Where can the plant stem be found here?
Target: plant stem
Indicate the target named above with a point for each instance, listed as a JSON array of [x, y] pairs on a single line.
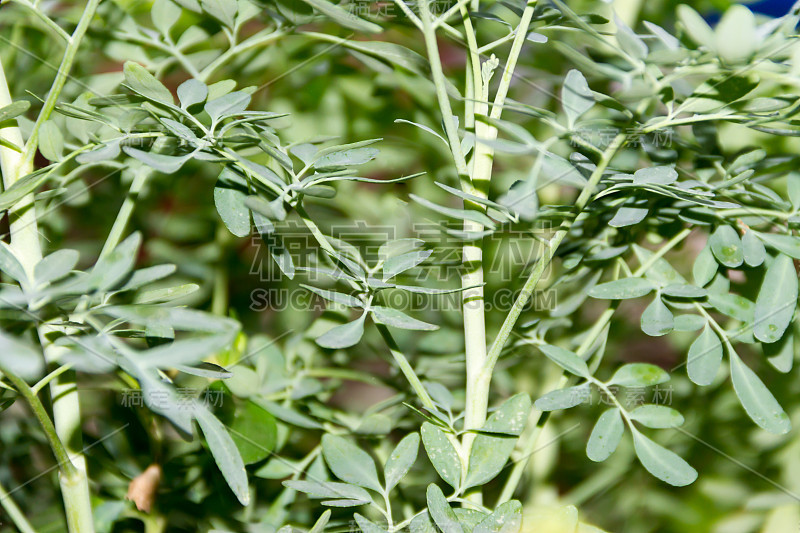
[[125, 212], [512, 482], [25, 241], [22, 217], [248, 44], [483, 159], [220, 295], [14, 512], [59, 450], [544, 261], [406, 369], [58, 83]]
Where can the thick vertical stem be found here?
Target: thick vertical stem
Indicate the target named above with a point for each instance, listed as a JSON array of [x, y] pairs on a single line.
[[474, 320], [22, 217], [25, 242]]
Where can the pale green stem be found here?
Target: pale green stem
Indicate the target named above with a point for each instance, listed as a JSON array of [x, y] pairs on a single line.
[[220, 295], [406, 368], [544, 261], [248, 44], [451, 130], [539, 418], [25, 242], [402, 362], [14, 512], [474, 316], [50, 23], [60, 79], [125, 211]]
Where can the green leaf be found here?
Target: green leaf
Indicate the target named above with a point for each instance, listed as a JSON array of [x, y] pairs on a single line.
[[192, 92], [576, 97], [666, 38], [333, 296], [400, 263], [349, 462], [290, 416], [696, 27], [566, 359], [254, 432], [13, 110], [704, 267], [781, 354], [622, 289], [225, 453], [397, 247], [606, 435], [343, 336], [398, 319], [506, 518], [489, 453], [628, 216], [441, 512], [786, 244], [556, 169], [662, 463], [179, 318], [777, 300], [229, 104], [736, 38], [168, 164], [113, 267], [563, 398], [705, 356], [733, 305], [655, 176], [757, 400], [11, 264], [331, 489], [346, 158], [396, 54], [657, 319], [657, 416], [143, 276], [343, 17], [684, 291], [19, 357], [401, 460], [639, 375], [322, 521], [55, 266], [222, 10], [753, 249], [229, 201], [181, 131], [463, 214], [140, 81], [689, 322], [51, 142], [366, 525], [442, 454], [727, 246], [628, 40], [103, 152], [164, 15], [511, 417]]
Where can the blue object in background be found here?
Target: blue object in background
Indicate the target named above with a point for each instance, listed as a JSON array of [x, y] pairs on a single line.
[[773, 8]]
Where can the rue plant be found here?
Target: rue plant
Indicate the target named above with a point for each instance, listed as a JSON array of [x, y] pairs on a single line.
[[472, 267]]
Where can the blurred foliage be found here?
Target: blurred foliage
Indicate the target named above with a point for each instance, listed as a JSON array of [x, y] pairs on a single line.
[[255, 326]]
